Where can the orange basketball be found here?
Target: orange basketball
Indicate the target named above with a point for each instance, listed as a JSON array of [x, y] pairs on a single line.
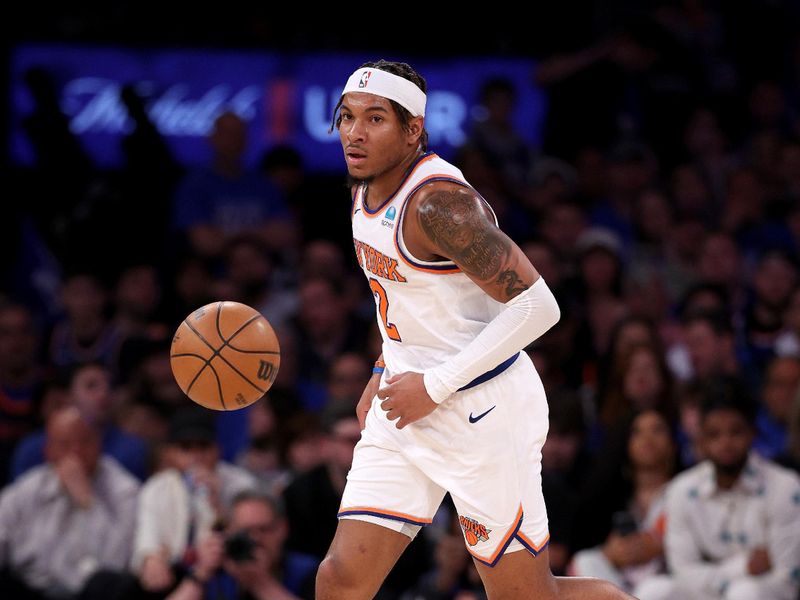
[[225, 355]]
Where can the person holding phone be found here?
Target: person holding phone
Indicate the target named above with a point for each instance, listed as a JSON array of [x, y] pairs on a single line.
[[633, 551]]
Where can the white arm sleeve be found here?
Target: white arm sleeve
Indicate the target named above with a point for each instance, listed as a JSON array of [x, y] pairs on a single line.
[[526, 317]]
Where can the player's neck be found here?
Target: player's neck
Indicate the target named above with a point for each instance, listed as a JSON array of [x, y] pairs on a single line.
[[378, 189]]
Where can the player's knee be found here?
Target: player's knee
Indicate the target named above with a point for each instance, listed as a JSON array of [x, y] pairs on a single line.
[[335, 574]]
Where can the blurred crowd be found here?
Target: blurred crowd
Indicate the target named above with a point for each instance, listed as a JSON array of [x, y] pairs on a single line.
[[663, 210]]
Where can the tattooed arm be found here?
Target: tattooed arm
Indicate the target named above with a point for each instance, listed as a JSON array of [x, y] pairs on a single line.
[[454, 222]]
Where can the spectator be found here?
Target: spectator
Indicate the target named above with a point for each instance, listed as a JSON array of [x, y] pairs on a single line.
[[733, 521], [453, 574], [628, 332], [780, 387], [496, 139], [565, 465], [227, 199], [312, 499], [774, 279], [137, 300], [250, 269], [250, 561], [347, 378], [599, 292], [325, 329], [709, 347], [690, 398], [639, 380], [68, 520], [791, 458], [788, 341], [91, 393], [633, 549], [262, 457], [84, 334], [21, 380], [182, 504]]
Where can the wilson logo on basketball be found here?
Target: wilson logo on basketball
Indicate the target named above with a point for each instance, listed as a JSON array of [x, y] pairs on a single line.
[[474, 532], [266, 371]]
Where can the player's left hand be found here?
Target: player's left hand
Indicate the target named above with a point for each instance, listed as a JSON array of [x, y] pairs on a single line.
[[406, 399]]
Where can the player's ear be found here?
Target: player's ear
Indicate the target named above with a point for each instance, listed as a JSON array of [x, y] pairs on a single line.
[[414, 130]]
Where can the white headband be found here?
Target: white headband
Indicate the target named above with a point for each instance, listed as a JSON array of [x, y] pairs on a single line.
[[388, 85]]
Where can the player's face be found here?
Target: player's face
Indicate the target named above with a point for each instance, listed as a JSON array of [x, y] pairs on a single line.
[[727, 438], [372, 136]]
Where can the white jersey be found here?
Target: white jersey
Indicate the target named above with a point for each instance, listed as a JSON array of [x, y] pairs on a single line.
[[427, 311], [483, 444]]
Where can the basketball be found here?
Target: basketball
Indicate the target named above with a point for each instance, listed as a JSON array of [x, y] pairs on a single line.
[[225, 355]]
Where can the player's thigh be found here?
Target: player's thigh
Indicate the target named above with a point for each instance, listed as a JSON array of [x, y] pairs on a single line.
[[519, 575], [361, 556], [522, 576]]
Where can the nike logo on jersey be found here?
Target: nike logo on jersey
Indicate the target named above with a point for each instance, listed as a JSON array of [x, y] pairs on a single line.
[[480, 416], [356, 211]]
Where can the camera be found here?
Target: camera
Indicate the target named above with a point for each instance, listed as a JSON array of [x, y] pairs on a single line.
[[239, 546]]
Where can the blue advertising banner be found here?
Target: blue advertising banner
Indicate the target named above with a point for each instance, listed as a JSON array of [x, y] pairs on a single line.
[[283, 98]]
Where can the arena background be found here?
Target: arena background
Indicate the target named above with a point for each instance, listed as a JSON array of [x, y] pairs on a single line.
[[646, 156]]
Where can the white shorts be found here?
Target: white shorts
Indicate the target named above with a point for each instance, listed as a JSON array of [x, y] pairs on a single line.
[[483, 445]]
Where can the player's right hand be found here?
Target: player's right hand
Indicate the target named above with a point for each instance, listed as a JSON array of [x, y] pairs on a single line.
[[365, 402]]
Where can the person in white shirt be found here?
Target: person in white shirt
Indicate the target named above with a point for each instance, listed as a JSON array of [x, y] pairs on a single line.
[[733, 521], [181, 505], [68, 520]]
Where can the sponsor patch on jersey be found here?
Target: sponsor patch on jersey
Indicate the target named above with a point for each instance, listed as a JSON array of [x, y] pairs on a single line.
[[474, 531]]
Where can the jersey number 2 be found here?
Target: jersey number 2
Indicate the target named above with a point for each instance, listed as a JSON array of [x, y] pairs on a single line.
[[383, 309]]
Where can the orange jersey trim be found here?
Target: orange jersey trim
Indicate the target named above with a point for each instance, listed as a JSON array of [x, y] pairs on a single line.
[[530, 545], [441, 270], [501, 547], [380, 512]]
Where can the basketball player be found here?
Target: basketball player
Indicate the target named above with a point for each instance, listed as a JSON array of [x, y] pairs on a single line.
[[457, 407]]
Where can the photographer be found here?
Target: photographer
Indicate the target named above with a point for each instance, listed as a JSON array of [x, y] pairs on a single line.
[[247, 561], [180, 506]]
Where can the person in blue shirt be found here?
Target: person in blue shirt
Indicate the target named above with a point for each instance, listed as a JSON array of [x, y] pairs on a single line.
[[225, 199], [91, 392]]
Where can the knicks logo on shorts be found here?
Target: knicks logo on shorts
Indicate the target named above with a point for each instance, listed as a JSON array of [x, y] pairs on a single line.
[[474, 532]]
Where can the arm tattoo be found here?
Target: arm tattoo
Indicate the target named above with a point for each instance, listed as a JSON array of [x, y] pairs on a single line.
[[512, 282], [456, 222]]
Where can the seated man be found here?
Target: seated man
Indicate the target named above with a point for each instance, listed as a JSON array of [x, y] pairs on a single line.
[[64, 522], [733, 521], [91, 392], [181, 505], [251, 557]]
